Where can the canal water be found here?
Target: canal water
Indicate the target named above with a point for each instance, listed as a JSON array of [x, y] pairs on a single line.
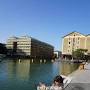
[[25, 74]]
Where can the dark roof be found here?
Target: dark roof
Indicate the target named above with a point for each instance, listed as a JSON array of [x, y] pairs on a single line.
[[73, 32]]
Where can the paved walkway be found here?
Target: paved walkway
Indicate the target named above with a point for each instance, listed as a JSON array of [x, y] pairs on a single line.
[[80, 79]]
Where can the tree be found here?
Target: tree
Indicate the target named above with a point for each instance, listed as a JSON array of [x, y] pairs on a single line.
[[79, 54]]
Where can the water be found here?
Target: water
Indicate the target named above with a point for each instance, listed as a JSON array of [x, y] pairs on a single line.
[[25, 75]]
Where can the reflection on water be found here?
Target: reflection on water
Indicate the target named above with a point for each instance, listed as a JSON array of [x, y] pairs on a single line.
[[25, 75], [18, 69], [67, 68]]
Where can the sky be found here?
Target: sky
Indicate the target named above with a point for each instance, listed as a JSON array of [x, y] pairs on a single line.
[[46, 20]]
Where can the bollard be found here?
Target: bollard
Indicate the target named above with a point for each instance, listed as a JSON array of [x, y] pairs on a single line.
[[44, 60], [32, 60], [19, 60], [52, 60], [41, 61]]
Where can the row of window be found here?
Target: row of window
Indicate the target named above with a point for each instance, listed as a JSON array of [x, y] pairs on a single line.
[[28, 46], [73, 48], [73, 42], [75, 38], [22, 44]]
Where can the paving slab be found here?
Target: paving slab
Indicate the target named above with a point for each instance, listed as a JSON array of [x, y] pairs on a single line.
[[80, 79]]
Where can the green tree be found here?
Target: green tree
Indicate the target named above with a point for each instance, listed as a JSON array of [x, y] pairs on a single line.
[[79, 54]]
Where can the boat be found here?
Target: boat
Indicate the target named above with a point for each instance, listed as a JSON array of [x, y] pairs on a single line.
[[66, 82]]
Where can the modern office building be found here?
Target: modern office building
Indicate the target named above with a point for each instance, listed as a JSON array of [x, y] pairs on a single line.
[[73, 41], [28, 46]]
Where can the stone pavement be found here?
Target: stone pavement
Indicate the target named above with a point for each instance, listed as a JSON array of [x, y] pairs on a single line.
[[80, 79]]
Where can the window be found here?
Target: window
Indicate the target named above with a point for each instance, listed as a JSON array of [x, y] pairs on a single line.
[[78, 42], [69, 42], [73, 39], [68, 50]]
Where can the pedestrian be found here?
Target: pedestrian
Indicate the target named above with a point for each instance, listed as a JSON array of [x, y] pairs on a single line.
[[57, 83]]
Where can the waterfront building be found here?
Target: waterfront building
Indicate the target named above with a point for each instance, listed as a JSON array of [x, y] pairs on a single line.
[[28, 46], [73, 41], [11, 45]]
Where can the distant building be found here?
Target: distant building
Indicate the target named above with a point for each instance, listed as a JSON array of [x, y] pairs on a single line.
[[57, 54], [28, 46], [73, 41]]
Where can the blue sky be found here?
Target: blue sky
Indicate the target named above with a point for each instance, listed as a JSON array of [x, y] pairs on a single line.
[[46, 20]]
